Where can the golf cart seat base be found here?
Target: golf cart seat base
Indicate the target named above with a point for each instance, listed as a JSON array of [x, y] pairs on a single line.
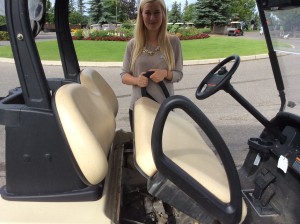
[[98, 211], [49, 212], [183, 145]]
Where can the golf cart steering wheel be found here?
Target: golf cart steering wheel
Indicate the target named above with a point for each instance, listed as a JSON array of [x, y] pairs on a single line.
[[217, 78], [161, 84]]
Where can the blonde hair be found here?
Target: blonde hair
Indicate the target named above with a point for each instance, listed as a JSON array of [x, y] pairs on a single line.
[[141, 37]]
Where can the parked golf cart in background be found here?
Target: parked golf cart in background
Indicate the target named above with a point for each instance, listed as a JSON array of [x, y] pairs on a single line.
[[235, 29], [66, 163]]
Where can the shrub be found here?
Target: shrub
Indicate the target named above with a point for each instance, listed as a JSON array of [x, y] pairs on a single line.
[[188, 32], [4, 35], [205, 30], [112, 38], [78, 34], [128, 26], [197, 36], [104, 33], [85, 33], [125, 32], [94, 34], [173, 28]]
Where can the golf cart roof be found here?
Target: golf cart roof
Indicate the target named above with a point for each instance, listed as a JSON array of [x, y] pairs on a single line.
[[279, 4]]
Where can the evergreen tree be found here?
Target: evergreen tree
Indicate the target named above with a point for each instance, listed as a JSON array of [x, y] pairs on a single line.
[[71, 6], [81, 7], [95, 11], [109, 14], [128, 10], [212, 12], [175, 13], [189, 14]]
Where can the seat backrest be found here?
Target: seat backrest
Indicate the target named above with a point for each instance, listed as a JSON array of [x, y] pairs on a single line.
[[92, 80], [183, 145], [89, 127]]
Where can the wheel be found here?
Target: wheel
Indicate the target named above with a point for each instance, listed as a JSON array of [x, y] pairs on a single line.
[[217, 78]]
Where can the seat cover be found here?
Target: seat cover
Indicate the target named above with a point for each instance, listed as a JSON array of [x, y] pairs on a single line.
[[89, 126]]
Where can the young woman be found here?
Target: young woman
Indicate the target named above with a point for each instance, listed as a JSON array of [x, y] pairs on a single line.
[[152, 49]]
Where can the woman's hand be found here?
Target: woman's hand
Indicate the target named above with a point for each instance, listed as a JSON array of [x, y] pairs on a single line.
[[142, 81], [158, 75]]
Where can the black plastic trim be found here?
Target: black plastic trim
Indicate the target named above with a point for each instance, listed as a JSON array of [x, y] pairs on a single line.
[[69, 151], [225, 213], [272, 54], [28, 64], [86, 194], [65, 43]]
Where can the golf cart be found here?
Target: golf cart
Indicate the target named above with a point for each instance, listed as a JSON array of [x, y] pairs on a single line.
[[66, 163], [235, 29]]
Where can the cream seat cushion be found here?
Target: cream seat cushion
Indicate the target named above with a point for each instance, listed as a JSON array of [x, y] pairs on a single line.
[[183, 145], [89, 126], [92, 80]]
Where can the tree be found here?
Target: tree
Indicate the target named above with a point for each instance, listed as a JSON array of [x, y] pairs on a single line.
[[211, 12], [128, 10], [81, 7], [71, 6], [2, 20], [189, 14], [95, 10], [75, 18], [109, 14], [242, 10], [175, 13], [49, 12]]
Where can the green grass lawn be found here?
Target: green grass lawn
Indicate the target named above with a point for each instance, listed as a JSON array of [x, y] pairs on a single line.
[[103, 51]]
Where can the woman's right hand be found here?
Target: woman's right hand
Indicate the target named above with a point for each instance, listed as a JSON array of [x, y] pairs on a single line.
[[142, 81]]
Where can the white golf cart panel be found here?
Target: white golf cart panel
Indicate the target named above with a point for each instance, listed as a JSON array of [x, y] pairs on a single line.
[[183, 145], [91, 136], [97, 84], [56, 212]]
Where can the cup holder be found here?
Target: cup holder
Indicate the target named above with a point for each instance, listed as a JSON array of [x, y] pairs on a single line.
[[259, 144]]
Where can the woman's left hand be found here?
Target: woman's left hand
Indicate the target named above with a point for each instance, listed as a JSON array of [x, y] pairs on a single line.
[[158, 75]]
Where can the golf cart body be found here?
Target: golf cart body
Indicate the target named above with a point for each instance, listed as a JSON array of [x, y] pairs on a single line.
[[235, 29], [66, 163]]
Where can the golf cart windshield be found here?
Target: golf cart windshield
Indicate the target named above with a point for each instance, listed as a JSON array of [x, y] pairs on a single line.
[[236, 25], [284, 28]]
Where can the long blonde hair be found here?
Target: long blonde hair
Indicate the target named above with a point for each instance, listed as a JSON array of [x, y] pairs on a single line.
[[163, 40]]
